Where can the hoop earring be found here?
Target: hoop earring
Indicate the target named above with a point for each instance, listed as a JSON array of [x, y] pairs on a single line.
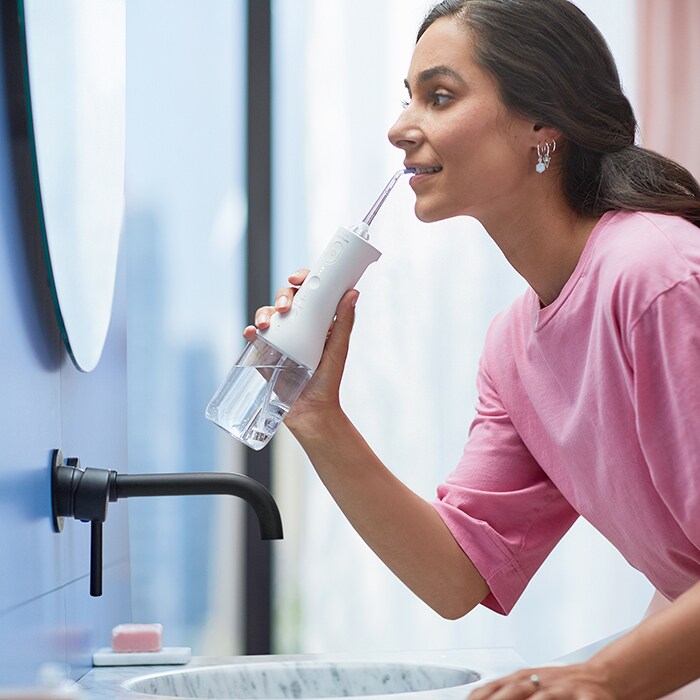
[[544, 158]]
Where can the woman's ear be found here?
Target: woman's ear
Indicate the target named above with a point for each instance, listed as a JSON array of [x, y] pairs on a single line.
[[542, 133]]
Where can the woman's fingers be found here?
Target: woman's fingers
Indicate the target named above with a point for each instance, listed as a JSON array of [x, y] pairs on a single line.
[[574, 682], [296, 278], [284, 296], [262, 316], [283, 302], [262, 321]]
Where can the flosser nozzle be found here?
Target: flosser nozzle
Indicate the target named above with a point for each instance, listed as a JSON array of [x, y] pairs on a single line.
[[385, 193]]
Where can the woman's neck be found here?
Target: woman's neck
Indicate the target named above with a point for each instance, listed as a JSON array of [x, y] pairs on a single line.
[[543, 242]]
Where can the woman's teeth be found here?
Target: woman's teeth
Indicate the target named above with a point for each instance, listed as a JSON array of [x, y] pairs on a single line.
[[421, 171]]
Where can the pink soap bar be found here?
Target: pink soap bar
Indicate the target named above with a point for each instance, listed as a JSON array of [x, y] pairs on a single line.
[[136, 637]]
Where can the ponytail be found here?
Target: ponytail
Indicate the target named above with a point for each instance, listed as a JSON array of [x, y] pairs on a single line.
[[630, 179]]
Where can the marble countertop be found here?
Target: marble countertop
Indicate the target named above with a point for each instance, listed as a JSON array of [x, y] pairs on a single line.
[[104, 683]]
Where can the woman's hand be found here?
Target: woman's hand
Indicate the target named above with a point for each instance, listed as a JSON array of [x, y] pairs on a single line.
[[575, 682], [283, 302], [320, 397], [660, 655]]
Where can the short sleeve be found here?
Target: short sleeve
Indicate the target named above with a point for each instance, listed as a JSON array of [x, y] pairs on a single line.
[[500, 506], [665, 357]]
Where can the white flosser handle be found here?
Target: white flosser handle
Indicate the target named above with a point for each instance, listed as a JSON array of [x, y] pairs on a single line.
[[301, 332]]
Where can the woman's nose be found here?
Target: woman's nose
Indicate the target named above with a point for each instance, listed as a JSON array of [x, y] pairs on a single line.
[[404, 133]]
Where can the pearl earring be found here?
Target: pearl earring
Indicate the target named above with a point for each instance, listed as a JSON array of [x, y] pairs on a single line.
[[545, 156]]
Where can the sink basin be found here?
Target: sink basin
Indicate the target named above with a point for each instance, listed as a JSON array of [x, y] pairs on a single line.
[[301, 679]]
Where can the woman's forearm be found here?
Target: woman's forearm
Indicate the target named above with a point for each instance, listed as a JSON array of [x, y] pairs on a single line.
[[404, 530], [660, 655]]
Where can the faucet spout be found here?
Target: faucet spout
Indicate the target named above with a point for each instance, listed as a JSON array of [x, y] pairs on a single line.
[[201, 484]]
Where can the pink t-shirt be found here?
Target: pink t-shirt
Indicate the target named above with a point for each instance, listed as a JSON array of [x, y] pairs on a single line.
[[591, 407]]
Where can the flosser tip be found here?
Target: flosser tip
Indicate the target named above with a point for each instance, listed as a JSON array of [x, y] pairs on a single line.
[[373, 211]]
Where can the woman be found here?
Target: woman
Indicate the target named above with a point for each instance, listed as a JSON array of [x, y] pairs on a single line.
[[588, 397]]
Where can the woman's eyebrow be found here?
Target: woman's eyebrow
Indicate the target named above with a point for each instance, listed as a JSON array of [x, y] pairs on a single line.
[[429, 73]]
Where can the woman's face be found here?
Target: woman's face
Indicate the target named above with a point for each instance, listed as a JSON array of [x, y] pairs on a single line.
[[479, 154]]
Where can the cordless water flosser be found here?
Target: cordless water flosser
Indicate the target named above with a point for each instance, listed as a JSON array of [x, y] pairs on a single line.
[[277, 364]]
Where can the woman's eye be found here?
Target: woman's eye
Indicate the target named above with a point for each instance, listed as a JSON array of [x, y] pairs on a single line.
[[439, 99], [434, 99]]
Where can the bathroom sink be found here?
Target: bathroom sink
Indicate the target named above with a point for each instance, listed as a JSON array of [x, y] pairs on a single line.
[[302, 679]]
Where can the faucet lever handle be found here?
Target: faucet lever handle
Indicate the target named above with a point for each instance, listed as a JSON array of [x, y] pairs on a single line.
[[95, 558], [83, 494]]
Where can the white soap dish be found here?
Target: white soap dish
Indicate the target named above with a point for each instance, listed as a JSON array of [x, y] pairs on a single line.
[[167, 656]]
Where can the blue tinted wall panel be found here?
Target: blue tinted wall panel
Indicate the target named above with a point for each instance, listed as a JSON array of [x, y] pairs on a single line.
[[46, 613]]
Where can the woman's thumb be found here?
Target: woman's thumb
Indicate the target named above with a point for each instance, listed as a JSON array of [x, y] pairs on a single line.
[[339, 339]]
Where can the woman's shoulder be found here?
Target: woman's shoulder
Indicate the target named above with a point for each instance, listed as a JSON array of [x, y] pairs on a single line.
[[640, 255], [645, 243], [640, 235]]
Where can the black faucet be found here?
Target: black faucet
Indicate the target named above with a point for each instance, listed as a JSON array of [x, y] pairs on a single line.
[[84, 494]]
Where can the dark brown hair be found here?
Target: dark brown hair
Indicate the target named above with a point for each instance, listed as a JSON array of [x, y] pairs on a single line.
[[553, 66]]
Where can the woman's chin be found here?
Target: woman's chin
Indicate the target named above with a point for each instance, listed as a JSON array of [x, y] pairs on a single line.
[[430, 216], [426, 215]]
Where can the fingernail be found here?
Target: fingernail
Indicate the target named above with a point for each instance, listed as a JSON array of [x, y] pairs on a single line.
[[262, 319], [282, 301], [354, 301]]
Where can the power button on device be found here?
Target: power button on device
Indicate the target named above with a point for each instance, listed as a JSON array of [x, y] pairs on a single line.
[[333, 252]]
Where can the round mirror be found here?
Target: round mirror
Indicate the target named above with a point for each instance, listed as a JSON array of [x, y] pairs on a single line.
[[75, 68]]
